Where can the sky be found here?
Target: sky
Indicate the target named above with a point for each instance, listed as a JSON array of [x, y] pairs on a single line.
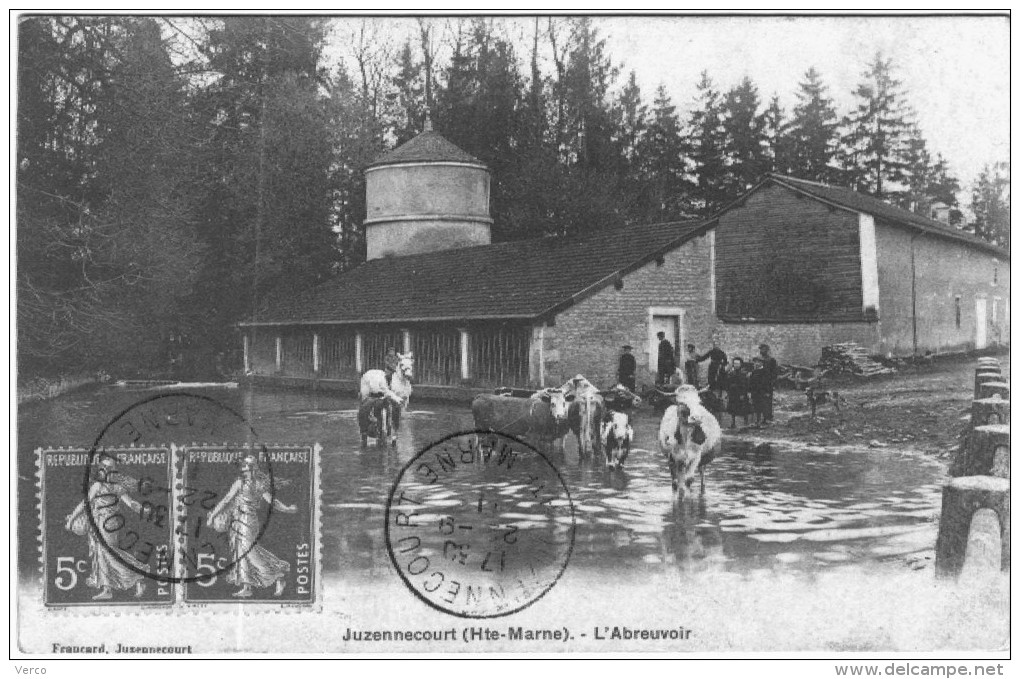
[[955, 70]]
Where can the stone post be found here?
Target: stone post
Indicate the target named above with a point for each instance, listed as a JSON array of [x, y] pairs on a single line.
[[989, 389], [961, 497], [247, 353], [994, 410], [982, 376], [279, 353]]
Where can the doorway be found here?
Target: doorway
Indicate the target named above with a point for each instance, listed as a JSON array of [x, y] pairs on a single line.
[[669, 321], [980, 323]]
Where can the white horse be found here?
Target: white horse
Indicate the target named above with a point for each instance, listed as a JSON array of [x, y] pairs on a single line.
[[373, 384], [690, 437]]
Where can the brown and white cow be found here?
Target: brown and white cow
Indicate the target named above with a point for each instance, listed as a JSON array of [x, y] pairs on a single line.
[[585, 415], [541, 418], [690, 437], [617, 434]]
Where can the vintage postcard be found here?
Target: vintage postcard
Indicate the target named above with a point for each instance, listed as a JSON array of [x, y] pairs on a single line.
[[654, 334]]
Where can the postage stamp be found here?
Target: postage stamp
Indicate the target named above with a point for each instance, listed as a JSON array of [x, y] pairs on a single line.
[[107, 526], [480, 525], [248, 524]]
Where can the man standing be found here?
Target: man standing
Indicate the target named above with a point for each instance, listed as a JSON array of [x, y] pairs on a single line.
[[390, 363], [627, 369], [667, 364], [716, 367], [771, 374], [691, 366]]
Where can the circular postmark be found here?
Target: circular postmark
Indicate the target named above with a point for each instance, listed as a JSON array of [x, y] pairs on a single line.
[[141, 503], [479, 525]]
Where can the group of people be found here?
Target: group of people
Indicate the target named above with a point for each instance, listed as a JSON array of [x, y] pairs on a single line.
[[748, 386]]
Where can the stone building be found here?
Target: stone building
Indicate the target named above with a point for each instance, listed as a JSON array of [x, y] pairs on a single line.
[[801, 265], [793, 263]]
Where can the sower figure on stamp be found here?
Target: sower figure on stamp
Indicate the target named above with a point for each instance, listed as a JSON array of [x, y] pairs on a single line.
[[110, 569], [627, 369], [667, 364], [254, 566]]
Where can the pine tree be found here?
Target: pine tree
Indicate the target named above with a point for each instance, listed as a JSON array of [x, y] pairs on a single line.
[[631, 123], [663, 171], [813, 132], [267, 214], [587, 79], [407, 100], [928, 180], [990, 202], [877, 132], [746, 143], [778, 153], [706, 144], [106, 183]]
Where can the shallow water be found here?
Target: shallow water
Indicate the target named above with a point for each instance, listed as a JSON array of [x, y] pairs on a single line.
[[764, 508]]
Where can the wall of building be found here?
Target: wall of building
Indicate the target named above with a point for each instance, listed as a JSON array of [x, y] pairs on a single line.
[[426, 189], [587, 337], [406, 237], [942, 270], [424, 207], [796, 343], [783, 256]]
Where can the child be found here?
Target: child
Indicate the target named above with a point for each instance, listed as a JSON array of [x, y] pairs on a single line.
[[737, 402]]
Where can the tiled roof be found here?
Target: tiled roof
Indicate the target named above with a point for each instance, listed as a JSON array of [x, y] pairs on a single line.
[[429, 146], [522, 279], [864, 203]]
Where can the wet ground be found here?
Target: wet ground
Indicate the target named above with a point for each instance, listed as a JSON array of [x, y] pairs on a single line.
[[765, 508]]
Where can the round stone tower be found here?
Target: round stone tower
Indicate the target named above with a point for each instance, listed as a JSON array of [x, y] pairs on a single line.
[[426, 195]]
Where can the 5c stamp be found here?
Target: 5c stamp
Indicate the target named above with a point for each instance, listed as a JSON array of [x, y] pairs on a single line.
[[110, 539], [249, 523]]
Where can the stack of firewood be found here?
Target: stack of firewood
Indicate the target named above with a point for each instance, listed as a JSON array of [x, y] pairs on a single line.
[[849, 357]]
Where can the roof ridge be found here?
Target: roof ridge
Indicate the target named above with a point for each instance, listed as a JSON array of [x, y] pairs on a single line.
[[804, 181], [858, 201]]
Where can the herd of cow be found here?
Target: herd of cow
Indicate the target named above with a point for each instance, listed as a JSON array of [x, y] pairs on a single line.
[[689, 434]]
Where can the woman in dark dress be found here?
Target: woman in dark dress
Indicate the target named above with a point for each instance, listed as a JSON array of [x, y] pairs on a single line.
[[737, 401]]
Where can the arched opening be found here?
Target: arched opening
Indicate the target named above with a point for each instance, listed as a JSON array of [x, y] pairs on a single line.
[[984, 546]]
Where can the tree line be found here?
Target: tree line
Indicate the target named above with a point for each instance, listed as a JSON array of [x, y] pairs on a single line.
[[175, 174]]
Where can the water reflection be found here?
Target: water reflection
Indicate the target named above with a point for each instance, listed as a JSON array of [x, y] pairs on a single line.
[[763, 507]]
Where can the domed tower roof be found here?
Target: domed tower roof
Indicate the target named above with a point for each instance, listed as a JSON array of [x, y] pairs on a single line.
[[427, 147]]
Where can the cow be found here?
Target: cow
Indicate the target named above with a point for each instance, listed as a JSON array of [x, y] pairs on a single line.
[[585, 415], [690, 437], [541, 418], [617, 434]]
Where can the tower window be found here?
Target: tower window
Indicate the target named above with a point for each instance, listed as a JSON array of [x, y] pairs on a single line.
[[958, 312]]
